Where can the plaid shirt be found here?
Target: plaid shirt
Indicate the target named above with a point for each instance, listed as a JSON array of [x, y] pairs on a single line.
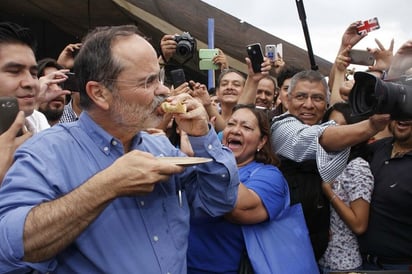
[[68, 114], [299, 142]]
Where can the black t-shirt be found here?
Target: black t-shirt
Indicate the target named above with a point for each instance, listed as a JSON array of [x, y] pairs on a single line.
[[389, 232]]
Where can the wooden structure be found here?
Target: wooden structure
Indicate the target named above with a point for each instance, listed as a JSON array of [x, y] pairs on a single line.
[[57, 23]]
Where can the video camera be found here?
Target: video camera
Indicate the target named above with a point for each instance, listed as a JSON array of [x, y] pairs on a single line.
[[371, 95], [186, 44]]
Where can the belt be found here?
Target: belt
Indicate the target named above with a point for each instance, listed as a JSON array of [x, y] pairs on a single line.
[[378, 260]]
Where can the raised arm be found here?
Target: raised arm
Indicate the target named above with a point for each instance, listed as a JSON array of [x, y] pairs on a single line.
[[248, 96], [336, 138]]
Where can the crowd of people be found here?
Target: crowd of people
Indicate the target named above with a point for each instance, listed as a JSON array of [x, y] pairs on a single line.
[[84, 188]]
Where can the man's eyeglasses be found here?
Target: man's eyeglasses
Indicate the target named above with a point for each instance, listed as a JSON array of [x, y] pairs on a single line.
[[150, 83]]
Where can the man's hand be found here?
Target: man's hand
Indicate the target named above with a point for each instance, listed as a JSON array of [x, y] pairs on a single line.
[[401, 61], [56, 77], [66, 57], [378, 122], [257, 76], [137, 173], [351, 37], [195, 121], [221, 60], [9, 143], [382, 56], [168, 46]]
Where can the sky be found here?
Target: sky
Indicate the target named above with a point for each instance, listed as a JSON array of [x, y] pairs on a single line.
[[326, 20]]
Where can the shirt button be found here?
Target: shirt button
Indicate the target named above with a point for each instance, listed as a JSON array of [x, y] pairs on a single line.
[[114, 142], [223, 175], [209, 146], [386, 162], [142, 203], [155, 238], [106, 149]]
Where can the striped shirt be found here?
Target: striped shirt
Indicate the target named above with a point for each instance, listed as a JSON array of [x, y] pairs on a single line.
[[299, 142]]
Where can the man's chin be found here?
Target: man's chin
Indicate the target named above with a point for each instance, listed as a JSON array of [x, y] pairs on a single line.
[[28, 112]]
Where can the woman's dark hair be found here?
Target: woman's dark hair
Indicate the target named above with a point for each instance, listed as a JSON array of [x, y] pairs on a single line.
[[265, 154]]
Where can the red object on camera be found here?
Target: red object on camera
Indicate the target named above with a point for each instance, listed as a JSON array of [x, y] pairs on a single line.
[[368, 26]]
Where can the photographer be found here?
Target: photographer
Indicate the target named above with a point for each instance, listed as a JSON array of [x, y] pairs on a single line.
[[387, 242], [175, 50]]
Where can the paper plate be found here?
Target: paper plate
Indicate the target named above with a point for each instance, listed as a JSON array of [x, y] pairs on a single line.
[[185, 161]]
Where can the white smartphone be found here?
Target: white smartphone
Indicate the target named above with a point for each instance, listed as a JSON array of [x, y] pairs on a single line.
[[272, 51], [279, 50]]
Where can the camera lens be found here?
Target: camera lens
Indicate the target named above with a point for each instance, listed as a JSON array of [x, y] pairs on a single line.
[[371, 95], [183, 48]]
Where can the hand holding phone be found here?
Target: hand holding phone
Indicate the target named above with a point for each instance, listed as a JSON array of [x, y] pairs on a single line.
[[255, 54], [206, 59], [361, 57], [274, 51], [71, 83], [178, 77], [9, 108]]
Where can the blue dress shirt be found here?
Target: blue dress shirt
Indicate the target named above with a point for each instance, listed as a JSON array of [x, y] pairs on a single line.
[[140, 234]]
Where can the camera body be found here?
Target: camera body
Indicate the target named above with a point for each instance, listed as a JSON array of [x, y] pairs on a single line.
[[371, 95], [186, 44]]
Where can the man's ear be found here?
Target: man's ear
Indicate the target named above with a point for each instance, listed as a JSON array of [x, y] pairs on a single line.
[[99, 94]]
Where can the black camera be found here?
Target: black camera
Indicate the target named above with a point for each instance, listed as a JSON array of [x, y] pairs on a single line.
[[371, 95], [186, 44]]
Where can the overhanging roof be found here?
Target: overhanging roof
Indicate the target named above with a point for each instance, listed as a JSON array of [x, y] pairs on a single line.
[[58, 23]]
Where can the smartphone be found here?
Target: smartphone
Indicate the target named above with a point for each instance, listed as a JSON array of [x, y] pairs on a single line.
[[208, 53], [207, 64], [178, 77], [206, 59], [361, 57], [255, 54], [279, 50], [9, 108], [271, 52], [71, 83], [368, 26]]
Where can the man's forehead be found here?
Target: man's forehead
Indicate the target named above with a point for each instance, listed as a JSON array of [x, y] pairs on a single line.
[[15, 53], [312, 87]]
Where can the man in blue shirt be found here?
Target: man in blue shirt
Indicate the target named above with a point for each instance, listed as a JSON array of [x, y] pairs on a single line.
[[92, 196]]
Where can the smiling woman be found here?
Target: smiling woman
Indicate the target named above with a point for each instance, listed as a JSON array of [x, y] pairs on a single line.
[[262, 193]]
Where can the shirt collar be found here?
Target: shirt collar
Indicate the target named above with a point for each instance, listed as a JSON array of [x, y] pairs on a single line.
[[106, 142]]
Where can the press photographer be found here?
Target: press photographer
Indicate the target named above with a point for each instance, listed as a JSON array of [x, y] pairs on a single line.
[[175, 51]]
